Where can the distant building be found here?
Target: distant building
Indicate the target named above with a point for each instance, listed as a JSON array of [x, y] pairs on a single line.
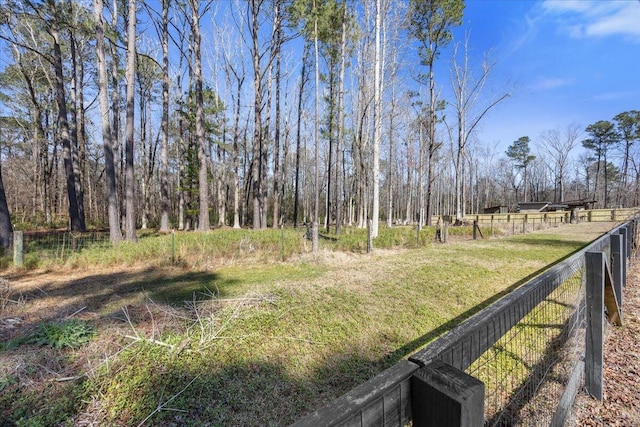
[[496, 210], [571, 205], [525, 207]]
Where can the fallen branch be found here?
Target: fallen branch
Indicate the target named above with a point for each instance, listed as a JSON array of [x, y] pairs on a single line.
[[166, 402], [73, 378], [75, 312], [150, 341]]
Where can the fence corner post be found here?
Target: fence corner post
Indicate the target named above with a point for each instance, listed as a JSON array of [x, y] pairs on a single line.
[[18, 248], [595, 271], [442, 395]]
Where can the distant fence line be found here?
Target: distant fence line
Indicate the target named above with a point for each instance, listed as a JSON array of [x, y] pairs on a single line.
[[560, 217], [58, 245], [518, 361]]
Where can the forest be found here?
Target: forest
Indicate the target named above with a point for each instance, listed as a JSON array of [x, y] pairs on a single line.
[[190, 115]]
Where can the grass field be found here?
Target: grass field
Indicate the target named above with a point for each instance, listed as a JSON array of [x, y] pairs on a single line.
[[240, 329]]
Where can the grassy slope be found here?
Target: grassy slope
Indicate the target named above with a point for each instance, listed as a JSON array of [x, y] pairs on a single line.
[[269, 342]]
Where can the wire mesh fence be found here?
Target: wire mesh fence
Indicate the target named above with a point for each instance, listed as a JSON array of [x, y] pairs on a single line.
[[525, 372], [59, 245]]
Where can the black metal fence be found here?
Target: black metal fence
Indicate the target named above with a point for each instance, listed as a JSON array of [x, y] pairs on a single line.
[[528, 350]]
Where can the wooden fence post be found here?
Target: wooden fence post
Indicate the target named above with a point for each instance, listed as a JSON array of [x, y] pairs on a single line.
[[617, 262], [18, 248], [314, 237], [443, 396], [633, 241], [626, 243], [595, 270], [173, 247]]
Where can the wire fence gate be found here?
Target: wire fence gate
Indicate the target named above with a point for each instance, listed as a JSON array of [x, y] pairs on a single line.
[[519, 361]]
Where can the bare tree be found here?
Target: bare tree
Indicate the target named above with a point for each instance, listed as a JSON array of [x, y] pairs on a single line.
[[467, 92], [235, 76], [430, 24], [558, 144]]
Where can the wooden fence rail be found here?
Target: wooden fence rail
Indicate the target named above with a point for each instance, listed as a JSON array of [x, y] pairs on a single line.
[[431, 387], [593, 215]]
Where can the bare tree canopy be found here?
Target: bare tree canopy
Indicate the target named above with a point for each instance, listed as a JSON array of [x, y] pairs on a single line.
[[195, 115]]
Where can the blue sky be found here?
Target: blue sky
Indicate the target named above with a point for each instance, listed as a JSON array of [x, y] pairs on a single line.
[[563, 61]]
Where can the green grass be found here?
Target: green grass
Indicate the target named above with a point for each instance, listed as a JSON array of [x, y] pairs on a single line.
[[198, 250], [68, 333], [256, 340]]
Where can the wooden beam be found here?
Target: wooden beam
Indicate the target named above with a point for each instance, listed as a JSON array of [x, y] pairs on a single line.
[[382, 401], [613, 287], [569, 396], [443, 396], [595, 272]]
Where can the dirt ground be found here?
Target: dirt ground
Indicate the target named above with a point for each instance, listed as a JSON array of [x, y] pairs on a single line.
[[621, 389]]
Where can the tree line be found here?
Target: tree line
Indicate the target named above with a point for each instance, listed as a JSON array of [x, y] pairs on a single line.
[[192, 114]]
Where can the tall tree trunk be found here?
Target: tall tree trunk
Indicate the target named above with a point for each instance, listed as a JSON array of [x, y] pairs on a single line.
[[257, 166], [6, 229], [164, 147], [77, 222], [276, 141], [390, 172], [316, 119], [81, 139], [130, 75], [203, 181], [107, 135], [144, 148], [296, 191], [422, 160], [340, 130], [236, 154], [330, 119], [75, 137], [116, 129], [377, 121], [606, 182]]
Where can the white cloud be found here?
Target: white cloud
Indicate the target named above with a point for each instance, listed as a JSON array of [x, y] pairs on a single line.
[[550, 83], [614, 96], [585, 19]]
